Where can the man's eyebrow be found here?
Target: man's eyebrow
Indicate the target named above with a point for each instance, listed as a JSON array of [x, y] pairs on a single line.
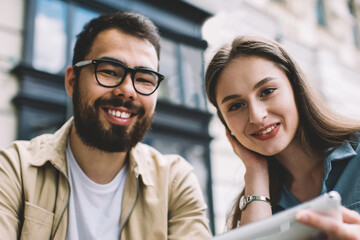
[[256, 86], [119, 61], [112, 59]]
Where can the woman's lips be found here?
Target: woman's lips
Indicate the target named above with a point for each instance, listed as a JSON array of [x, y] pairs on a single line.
[[267, 132]]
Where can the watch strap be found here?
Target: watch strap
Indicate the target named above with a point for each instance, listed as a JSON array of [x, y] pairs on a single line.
[[245, 200]]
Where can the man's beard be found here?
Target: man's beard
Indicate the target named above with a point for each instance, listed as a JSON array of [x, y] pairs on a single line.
[[115, 139]]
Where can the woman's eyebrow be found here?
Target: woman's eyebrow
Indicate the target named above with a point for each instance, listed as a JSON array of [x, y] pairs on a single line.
[[228, 98], [262, 82]]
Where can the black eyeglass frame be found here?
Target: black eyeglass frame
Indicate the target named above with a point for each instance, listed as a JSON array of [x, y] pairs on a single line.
[[127, 70]]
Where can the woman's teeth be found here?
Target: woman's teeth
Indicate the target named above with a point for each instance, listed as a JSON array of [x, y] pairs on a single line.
[[266, 131], [119, 114]]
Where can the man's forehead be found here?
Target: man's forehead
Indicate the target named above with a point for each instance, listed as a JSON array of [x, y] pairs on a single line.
[[129, 49], [117, 36]]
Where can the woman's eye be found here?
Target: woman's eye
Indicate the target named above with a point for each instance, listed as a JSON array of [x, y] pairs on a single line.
[[235, 106], [267, 92]]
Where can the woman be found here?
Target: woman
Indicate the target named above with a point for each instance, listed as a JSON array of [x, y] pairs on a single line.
[[293, 147]]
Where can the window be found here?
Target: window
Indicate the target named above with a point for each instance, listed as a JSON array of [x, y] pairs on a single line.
[[356, 26], [56, 26], [50, 36], [171, 88], [81, 16], [182, 66], [192, 74], [280, 1], [320, 13]]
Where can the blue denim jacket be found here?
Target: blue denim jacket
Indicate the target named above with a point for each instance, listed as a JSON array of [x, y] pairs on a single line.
[[341, 173]]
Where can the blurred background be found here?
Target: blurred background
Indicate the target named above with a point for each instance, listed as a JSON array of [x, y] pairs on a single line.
[[37, 38]]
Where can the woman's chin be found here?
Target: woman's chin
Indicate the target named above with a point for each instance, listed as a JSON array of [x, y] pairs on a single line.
[[267, 152]]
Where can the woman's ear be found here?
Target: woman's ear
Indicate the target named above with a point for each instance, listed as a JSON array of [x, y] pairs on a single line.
[[70, 79]]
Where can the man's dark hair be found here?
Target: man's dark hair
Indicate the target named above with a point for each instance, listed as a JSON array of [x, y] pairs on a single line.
[[130, 23]]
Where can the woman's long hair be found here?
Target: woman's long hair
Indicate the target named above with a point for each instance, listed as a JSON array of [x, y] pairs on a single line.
[[319, 130]]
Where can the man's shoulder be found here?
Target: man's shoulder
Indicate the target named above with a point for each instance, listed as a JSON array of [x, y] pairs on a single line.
[[146, 154], [35, 148], [23, 146]]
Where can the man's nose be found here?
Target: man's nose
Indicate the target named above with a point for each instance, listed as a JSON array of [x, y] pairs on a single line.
[[126, 88]]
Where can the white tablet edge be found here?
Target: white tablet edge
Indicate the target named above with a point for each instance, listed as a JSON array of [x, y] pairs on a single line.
[[327, 204]]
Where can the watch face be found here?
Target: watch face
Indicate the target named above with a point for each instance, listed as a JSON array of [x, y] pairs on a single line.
[[242, 203]]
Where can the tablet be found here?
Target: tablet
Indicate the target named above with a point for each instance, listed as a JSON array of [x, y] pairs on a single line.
[[283, 225]]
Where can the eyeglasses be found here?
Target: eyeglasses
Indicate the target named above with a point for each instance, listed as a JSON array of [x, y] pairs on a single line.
[[111, 73]]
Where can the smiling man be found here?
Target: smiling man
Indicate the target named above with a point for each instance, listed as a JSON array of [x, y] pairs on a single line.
[[93, 179]]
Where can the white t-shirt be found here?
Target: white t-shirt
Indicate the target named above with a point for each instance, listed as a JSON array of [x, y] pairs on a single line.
[[94, 209]]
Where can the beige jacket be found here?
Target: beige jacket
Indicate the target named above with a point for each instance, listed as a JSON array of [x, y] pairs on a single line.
[[162, 198]]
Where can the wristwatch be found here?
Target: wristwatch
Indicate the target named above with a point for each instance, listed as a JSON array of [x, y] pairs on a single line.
[[245, 200]]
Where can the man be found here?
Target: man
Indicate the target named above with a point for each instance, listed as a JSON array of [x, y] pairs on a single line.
[[92, 179]]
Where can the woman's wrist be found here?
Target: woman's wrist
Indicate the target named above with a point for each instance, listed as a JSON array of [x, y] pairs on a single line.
[[246, 199], [257, 184]]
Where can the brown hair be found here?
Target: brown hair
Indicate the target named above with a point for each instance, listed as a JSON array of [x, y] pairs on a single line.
[[319, 128], [130, 23]]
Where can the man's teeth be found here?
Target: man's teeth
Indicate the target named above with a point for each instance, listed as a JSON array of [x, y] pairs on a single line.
[[266, 131], [119, 114]]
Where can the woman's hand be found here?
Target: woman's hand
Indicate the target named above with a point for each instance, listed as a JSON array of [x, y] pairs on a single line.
[[348, 229], [256, 181], [249, 158]]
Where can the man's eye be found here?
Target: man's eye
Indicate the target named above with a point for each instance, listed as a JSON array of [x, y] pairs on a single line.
[[267, 92], [108, 72], [143, 81]]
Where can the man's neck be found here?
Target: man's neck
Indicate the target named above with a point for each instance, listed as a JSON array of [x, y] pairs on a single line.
[[99, 166]]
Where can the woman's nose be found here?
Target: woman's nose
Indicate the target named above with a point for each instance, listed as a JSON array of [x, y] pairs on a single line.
[[257, 113]]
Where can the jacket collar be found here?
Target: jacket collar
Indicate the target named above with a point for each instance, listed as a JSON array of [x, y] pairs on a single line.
[[345, 151], [141, 163], [53, 148]]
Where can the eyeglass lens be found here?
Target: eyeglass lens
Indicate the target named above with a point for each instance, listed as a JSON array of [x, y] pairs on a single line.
[[111, 74]]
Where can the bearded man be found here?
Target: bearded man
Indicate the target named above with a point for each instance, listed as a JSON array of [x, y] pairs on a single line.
[[93, 179]]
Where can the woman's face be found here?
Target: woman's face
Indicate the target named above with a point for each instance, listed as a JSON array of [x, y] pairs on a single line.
[[257, 102]]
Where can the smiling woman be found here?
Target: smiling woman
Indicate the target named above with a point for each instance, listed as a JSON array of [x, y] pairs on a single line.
[[286, 136], [263, 98]]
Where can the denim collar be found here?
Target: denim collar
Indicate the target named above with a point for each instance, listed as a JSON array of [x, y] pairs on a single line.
[[343, 152]]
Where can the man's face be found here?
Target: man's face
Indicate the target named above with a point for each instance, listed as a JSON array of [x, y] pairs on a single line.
[[114, 119]]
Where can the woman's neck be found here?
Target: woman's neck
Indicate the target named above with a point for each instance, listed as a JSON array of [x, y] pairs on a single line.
[[303, 169]]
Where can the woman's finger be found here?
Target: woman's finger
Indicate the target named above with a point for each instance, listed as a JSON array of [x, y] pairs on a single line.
[[350, 216], [332, 227]]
